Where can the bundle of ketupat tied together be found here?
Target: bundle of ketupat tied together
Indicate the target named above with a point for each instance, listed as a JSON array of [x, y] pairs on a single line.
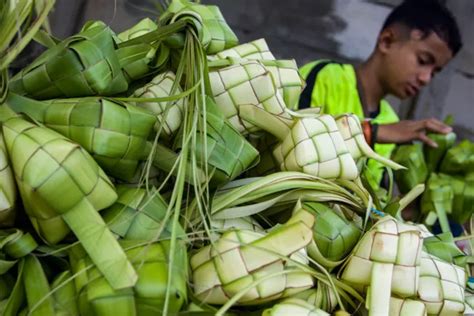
[[131, 184]]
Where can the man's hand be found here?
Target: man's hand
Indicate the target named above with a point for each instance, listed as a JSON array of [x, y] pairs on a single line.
[[407, 131]]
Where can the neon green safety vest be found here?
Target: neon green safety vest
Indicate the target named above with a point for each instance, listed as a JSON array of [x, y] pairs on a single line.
[[335, 91]]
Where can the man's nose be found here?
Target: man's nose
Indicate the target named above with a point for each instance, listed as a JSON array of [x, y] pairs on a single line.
[[425, 76]]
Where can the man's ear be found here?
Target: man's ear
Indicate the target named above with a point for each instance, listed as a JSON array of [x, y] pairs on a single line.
[[386, 39]]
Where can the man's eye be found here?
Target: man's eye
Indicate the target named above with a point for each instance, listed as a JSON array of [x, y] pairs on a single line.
[[422, 61]]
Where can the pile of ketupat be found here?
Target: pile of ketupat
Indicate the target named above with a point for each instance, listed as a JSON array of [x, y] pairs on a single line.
[[161, 171]]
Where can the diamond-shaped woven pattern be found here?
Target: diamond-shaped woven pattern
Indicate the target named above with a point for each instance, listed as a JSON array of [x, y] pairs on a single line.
[[315, 146], [392, 242], [61, 161], [287, 79], [138, 215], [334, 236], [442, 286], [115, 133], [82, 65], [226, 150], [151, 261], [240, 257], [257, 49], [351, 131], [408, 307], [160, 87], [247, 82]]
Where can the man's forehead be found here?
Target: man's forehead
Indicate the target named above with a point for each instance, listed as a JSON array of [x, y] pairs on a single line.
[[433, 44]]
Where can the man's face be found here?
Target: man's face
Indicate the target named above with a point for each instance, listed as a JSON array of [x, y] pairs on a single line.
[[411, 63]]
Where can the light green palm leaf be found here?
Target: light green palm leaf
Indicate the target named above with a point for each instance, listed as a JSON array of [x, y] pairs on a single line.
[[213, 31], [334, 236], [257, 49], [169, 114], [115, 133], [412, 157], [8, 192], [139, 215], [146, 297], [81, 65], [69, 172], [459, 159]]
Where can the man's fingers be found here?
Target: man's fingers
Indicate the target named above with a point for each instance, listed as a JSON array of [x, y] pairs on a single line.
[[406, 131], [434, 125], [428, 141]]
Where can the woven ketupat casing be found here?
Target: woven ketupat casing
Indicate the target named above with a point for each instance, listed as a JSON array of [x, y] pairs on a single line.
[[147, 297], [220, 226], [463, 201], [412, 157], [435, 155], [68, 187], [437, 201], [240, 223], [264, 143], [441, 286], [351, 130], [285, 72], [294, 306], [406, 307], [143, 27], [213, 31], [60, 159], [161, 86], [334, 236], [7, 187], [388, 242], [287, 79], [459, 159], [65, 296], [321, 296], [240, 257], [84, 64], [226, 150], [136, 59], [115, 133], [247, 82], [444, 247], [315, 146], [257, 49], [138, 215]]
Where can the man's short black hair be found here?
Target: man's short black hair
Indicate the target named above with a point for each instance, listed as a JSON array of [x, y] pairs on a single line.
[[428, 16]]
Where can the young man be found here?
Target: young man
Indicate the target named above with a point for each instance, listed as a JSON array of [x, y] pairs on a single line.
[[417, 40]]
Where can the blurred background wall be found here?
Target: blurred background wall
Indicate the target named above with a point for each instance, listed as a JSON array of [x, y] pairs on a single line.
[[343, 30]]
